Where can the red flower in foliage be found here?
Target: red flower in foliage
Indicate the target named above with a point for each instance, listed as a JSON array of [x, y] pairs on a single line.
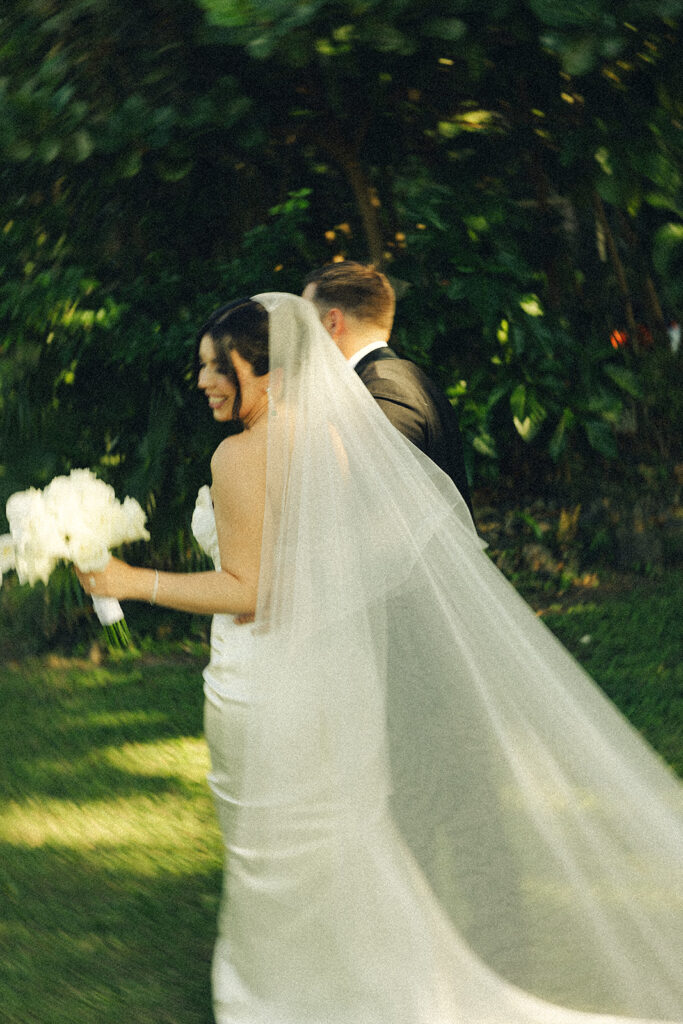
[[618, 339]]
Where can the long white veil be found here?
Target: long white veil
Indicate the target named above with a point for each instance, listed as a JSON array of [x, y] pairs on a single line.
[[451, 822]]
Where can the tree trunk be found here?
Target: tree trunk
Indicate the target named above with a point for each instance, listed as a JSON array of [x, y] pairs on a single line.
[[346, 154], [368, 207]]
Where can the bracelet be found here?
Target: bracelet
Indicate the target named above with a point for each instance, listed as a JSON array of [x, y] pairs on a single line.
[[155, 588]]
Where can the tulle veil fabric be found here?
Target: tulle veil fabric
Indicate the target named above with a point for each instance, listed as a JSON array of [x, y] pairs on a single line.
[[443, 818]]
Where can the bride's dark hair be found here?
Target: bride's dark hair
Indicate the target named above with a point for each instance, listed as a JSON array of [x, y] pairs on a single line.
[[242, 326]]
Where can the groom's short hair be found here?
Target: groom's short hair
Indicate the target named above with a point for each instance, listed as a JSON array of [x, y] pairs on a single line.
[[355, 288]]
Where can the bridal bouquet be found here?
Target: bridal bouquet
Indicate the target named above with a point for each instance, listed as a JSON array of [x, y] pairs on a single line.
[[76, 518]]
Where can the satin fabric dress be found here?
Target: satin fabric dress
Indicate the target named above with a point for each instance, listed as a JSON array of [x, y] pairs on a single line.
[[277, 957]]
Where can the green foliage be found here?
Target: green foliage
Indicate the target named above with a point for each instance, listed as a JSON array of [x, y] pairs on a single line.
[[667, 257], [513, 369], [584, 34], [517, 171]]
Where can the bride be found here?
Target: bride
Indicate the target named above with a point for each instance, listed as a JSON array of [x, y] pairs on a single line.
[[431, 815]]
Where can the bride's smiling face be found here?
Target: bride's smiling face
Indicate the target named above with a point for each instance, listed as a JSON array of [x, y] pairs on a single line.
[[219, 388], [240, 394]]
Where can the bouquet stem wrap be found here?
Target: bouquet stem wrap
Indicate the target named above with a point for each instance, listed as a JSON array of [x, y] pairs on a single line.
[[108, 610], [111, 618]]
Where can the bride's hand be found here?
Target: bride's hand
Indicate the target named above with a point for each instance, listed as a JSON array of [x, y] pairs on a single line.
[[111, 582]]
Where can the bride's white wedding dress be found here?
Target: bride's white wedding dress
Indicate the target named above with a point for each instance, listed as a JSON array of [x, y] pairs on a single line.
[[327, 917]]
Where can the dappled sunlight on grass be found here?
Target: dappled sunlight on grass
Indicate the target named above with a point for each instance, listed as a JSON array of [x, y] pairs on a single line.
[[110, 854], [185, 759], [139, 830], [117, 719]]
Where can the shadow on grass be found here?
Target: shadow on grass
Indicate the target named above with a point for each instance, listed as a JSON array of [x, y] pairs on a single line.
[[110, 857]]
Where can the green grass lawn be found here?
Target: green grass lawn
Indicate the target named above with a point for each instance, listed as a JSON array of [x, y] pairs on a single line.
[[110, 857], [629, 636]]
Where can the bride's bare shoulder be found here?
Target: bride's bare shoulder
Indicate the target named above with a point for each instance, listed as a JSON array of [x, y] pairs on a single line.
[[247, 445], [238, 464], [228, 451]]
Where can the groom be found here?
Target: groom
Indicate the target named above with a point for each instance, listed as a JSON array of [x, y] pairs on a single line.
[[356, 305]]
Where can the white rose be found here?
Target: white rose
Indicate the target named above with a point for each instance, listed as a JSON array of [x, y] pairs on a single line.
[[88, 552], [132, 522], [34, 564], [38, 547], [23, 506]]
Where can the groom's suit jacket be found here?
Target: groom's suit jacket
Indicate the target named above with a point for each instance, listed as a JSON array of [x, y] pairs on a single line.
[[416, 407]]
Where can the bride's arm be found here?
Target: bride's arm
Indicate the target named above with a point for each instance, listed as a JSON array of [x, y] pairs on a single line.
[[203, 593], [238, 492]]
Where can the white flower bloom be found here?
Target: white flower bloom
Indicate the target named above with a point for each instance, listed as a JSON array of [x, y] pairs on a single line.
[[22, 506], [76, 518], [38, 546], [88, 552], [131, 522], [34, 563]]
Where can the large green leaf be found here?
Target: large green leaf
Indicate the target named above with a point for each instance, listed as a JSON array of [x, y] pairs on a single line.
[[667, 247], [559, 439], [601, 438], [625, 379], [667, 257], [528, 413]]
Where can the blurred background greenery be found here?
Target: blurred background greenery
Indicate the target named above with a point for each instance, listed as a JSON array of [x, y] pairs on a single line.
[[515, 167]]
